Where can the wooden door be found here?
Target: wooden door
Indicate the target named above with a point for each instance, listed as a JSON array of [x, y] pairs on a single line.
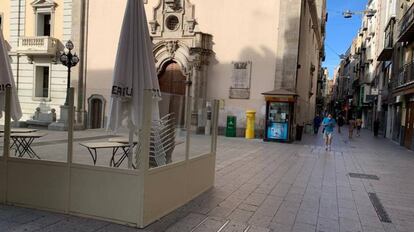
[[409, 127], [172, 84], [96, 116]]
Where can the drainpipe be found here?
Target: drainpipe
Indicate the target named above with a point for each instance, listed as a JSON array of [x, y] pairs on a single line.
[[298, 54], [17, 53], [297, 67]]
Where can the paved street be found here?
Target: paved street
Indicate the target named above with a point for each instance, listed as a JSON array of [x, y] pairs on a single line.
[[263, 187]]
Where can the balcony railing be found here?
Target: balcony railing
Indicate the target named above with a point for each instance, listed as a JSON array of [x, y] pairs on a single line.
[[386, 53], [407, 25], [405, 76], [39, 45]]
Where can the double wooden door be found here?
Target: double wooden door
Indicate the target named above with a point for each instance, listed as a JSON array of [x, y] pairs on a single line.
[[173, 87]]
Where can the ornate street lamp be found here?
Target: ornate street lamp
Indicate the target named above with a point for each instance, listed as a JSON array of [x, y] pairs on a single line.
[[69, 60]]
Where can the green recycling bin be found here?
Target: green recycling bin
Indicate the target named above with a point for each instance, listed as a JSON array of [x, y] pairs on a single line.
[[231, 126]]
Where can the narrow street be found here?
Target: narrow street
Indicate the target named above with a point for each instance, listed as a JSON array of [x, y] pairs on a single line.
[[280, 187]]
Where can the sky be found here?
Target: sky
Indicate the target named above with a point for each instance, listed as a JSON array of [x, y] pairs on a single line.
[[340, 31]]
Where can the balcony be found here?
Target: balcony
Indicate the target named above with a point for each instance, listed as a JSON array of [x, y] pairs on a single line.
[[369, 56], [406, 26], [405, 76], [386, 53], [38, 46]]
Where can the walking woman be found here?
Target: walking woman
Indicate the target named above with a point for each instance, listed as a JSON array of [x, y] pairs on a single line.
[[329, 124], [351, 127], [358, 126]]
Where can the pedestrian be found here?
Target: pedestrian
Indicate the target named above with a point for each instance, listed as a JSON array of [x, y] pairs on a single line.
[[316, 124], [358, 126], [376, 127], [329, 124], [352, 125], [341, 122]]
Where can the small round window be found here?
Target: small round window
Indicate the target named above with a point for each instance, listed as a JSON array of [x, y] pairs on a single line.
[[172, 22]]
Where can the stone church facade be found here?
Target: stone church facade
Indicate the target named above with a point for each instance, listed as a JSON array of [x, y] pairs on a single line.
[[229, 50]]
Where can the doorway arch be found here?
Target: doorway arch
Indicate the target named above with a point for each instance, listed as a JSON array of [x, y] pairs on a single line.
[[96, 109]]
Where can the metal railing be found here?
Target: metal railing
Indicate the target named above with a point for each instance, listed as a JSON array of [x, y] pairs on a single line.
[[405, 76], [406, 20]]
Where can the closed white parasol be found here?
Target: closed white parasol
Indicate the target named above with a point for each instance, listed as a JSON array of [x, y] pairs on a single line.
[[134, 72], [7, 80]]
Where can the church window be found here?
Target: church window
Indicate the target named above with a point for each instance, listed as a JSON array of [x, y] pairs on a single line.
[[172, 22]]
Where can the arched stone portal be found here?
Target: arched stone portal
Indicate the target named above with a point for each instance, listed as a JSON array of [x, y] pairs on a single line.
[[177, 40]]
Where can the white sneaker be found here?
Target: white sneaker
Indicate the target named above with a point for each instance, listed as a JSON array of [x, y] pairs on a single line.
[[329, 148]]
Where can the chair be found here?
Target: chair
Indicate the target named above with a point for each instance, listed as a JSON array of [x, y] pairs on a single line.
[[162, 141]]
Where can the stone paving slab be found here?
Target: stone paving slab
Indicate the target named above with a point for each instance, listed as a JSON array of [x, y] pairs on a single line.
[[273, 187]]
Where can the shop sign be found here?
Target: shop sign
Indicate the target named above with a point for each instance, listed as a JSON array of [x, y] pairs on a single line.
[[280, 99]]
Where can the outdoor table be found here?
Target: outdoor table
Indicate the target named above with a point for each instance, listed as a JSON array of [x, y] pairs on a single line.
[[93, 147], [19, 130], [22, 143]]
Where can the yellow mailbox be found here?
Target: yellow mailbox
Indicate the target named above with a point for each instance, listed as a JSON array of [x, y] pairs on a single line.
[[250, 120]]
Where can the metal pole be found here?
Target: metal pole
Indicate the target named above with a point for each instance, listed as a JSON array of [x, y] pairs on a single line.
[[71, 119], [215, 116], [68, 86], [6, 145], [130, 142]]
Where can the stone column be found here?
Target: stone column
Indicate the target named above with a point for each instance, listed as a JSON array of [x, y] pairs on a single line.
[[78, 38], [194, 91]]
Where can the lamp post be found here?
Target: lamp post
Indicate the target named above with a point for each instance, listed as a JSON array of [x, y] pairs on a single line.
[[69, 60]]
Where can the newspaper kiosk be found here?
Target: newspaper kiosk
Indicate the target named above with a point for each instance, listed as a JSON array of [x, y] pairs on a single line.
[[279, 115]]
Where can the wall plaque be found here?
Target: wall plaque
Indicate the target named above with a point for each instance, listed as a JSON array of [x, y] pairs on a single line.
[[241, 77]]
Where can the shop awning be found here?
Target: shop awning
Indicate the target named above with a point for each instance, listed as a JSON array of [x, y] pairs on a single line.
[[280, 92]]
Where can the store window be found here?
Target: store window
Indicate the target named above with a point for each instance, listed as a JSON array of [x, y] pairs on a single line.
[[42, 81]]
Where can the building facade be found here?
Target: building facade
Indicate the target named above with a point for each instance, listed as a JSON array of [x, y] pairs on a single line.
[[233, 54], [36, 31], [385, 70]]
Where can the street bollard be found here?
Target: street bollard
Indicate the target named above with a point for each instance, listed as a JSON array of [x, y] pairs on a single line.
[[207, 130], [250, 116]]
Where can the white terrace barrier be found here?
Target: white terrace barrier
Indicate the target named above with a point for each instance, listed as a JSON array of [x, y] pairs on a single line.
[[136, 197]]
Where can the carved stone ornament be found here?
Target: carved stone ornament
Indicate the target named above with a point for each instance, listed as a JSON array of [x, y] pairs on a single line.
[[173, 4], [171, 47], [197, 62], [191, 25], [44, 4], [153, 24]]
